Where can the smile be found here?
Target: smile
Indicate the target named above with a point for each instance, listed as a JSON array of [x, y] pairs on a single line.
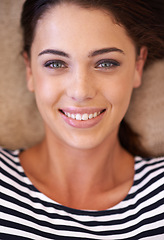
[[82, 117]]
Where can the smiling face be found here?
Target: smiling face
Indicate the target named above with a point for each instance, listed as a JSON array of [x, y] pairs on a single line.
[[83, 69]]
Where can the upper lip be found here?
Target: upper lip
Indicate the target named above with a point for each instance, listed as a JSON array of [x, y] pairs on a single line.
[[81, 110]]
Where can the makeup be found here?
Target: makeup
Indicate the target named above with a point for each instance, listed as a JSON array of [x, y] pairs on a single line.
[[82, 117]]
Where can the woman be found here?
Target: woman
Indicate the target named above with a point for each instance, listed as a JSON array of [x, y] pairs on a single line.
[[83, 60]]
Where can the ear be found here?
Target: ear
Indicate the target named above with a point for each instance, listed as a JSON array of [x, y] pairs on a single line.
[[29, 75], [140, 62]]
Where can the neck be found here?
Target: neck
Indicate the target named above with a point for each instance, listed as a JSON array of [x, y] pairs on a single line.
[[76, 177], [82, 166]]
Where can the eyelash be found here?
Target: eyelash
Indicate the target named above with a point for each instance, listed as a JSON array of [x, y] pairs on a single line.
[[108, 64], [53, 62]]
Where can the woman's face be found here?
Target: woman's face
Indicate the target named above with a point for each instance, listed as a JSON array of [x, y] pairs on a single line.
[[83, 69]]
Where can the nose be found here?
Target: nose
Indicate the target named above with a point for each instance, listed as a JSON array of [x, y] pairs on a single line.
[[81, 86]]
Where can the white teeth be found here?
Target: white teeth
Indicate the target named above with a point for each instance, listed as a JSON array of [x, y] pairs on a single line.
[[83, 117], [91, 116], [73, 116], [95, 114], [78, 117]]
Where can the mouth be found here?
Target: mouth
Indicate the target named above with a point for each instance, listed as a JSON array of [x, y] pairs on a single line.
[[82, 116]]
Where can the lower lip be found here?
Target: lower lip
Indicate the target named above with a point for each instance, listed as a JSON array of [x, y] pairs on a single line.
[[83, 124]]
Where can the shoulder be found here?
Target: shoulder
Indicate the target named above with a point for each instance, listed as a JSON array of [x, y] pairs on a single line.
[[8, 155], [149, 174], [149, 164], [151, 167], [9, 160]]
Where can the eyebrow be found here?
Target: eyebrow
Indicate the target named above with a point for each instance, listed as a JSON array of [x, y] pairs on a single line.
[[91, 54], [55, 52], [105, 50]]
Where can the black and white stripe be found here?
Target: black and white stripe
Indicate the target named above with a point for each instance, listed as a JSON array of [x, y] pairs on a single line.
[[28, 214]]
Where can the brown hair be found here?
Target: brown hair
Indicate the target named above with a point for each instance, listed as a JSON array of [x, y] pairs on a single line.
[[142, 19]]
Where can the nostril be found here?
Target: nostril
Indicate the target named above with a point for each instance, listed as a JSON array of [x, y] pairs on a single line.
[[81, 90]]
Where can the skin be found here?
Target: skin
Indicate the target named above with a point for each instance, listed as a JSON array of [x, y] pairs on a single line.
[[84, 162]]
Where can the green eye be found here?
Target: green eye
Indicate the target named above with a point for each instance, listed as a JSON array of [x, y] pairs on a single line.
[[107, 64], [55, 64]]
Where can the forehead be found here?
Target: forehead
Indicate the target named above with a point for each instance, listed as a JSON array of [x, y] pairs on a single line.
[[74, 25]]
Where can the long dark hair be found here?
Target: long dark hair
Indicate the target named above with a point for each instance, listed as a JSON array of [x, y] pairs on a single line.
[[142, 19]]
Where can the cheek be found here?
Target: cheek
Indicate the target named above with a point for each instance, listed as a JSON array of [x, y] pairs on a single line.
[[46, 97], [118, 91], [47, 91]]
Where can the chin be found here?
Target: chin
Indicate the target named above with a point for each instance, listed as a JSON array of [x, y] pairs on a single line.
[[85, 142], [85, 146]]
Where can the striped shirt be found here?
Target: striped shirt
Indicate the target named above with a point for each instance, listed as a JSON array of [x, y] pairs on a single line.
[[26, 213]]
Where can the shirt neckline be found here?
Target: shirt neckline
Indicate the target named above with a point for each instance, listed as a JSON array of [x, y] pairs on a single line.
[[72, 210]]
